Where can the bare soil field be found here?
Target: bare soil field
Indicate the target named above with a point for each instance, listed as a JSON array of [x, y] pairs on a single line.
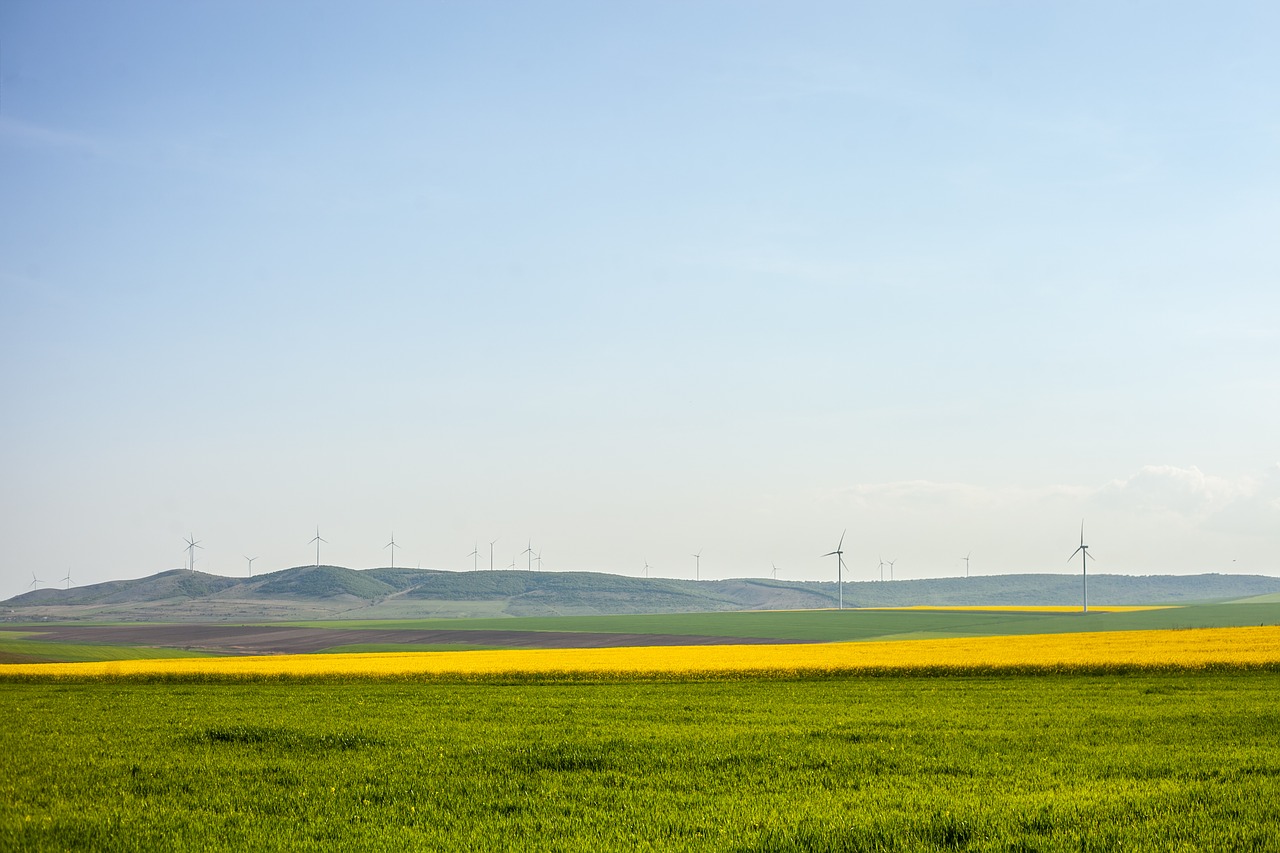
[[272, 640]]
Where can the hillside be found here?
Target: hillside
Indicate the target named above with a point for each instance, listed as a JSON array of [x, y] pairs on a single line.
[[334, 592], [308, 592]]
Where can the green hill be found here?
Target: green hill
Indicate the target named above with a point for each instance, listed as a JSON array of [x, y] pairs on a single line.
[[326, 592]]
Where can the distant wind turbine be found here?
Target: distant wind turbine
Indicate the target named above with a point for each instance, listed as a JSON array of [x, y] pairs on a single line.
[[250, 559], [838, 553], [891, 562], [966, 564], [392, 546], [192, 545], [1085, 557], [491, 553], [35, 581], [646, 568], [68, 577], [529, 551], [318, 540], [537, 558], [881, 567], [475, 557], [775, 570], [697, 565]]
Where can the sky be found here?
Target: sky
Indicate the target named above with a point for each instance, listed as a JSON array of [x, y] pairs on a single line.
[[633, 281]]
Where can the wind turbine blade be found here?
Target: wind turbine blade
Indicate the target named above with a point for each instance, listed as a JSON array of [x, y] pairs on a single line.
[[841, 545], [1076, 551]]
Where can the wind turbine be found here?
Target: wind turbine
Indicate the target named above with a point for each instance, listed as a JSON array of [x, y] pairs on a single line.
[[192, 545], [475, 557], [966, 564], [250, 559], [35, 581], [68, 577], [491, 553], [646, 568], [838, 553], [537, 558], [1085, 557], [529, 551], [697, 565], [318, 540], [881, 567], [391, 545], [891, 562], [775, 570]]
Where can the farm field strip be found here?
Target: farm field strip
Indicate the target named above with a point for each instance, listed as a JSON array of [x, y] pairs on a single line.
[[1027, 608], [1141, 762], [1190, 649]]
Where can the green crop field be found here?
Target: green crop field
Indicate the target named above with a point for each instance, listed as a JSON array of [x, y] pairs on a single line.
[[837, 625], [1015, 763]]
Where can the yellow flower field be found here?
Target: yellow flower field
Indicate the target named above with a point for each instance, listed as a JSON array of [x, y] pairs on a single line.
[[1018, 608], [1192, 648]]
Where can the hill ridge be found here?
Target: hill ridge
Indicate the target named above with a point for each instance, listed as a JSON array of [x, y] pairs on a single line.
[[326, 591]]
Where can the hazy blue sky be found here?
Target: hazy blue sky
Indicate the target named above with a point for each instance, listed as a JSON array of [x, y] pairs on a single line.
[[639, 279]]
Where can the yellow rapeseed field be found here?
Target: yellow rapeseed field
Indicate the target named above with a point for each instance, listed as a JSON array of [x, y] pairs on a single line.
[[1048, 608], [1192, 648]]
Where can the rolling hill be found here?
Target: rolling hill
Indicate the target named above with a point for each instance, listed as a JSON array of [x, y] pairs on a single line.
[[329, 592]]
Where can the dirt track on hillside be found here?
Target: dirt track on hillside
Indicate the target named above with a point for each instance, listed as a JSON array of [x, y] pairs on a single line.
[[274, 640]]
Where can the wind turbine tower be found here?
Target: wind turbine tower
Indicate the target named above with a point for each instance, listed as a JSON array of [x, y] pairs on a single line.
[[392, 546], [1085, 557], [881, 567], [838, 553], [966, 564], [891, 562], [35, 581], [537, 558], [192, 545], [529, 550], [67, 579], [317, 541], [475, 557], [491, 553], [775, 570], [250, 559], [646, 568], [697, 565]]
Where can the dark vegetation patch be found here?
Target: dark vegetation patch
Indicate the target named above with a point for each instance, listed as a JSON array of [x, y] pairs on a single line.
[[284, 738]]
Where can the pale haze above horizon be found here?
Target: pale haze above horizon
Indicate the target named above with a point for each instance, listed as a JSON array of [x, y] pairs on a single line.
[[634, 281]]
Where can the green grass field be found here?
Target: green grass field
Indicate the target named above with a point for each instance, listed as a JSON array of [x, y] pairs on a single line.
[[1150, 762], [836, 626]]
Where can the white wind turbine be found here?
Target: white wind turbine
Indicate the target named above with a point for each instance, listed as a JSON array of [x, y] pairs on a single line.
[[881, 567], [697, 565], [966, 564], [1085, 557], [838, 553], [67, 579], [475, 557], [529, 550], [317, 542], [775, 570], [537, 558], [35, 581], [391, 545], [250, 559], [646, 568], [891, 562], [192, 545]]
